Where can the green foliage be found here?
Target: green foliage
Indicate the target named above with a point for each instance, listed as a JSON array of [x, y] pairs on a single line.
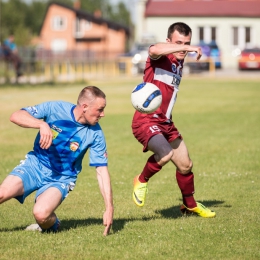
[[24, 19], [119, 14], [34, 16], [219, 120], [92, 5], [12, 16]]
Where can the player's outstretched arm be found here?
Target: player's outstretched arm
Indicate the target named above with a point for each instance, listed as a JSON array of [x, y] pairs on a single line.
[[161, 49], [106, 191], [24, 119]]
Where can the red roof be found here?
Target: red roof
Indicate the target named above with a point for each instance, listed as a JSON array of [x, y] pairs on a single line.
[[203, 8]]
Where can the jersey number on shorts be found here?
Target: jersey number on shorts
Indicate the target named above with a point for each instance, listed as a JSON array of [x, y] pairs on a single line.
[[154, 129]]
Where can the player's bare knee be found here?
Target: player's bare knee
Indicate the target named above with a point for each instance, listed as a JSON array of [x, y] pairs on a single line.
[[40, 215], [186, 167]]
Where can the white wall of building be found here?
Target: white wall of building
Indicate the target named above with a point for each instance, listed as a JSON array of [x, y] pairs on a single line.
[[158, 26]]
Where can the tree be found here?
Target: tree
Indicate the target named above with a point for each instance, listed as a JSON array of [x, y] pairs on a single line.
[[120, 14], [34, 16], [24, 19], [10, 18]]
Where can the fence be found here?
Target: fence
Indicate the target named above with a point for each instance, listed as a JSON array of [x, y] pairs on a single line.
[[45, 67], [67, 71]]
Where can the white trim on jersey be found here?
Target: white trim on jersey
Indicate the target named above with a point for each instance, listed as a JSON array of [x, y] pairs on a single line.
[[168, 78], [171, 104]]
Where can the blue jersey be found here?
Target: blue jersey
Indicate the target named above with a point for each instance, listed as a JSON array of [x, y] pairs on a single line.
[[71, 140], [9, 47]]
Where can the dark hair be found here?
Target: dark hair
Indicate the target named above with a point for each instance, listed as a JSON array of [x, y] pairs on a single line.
[[90, 93], [182, 28]]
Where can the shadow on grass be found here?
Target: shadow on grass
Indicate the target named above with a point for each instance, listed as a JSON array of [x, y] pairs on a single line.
[[68, 224], [118, 224], [174, 212]]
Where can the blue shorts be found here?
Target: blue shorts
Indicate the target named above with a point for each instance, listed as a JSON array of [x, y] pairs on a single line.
[[36, 176]]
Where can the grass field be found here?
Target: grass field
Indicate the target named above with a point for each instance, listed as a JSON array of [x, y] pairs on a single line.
[[220, 122]]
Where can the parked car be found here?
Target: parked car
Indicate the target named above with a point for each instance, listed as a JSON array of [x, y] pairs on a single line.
[[140, 54], [210, 50], [249, 59]]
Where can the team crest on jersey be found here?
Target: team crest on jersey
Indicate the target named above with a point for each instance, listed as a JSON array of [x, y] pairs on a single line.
[[74, 146], [174, 68]]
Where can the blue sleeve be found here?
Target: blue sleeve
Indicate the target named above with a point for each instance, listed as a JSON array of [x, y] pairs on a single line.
[[98, 151], [40, 111]]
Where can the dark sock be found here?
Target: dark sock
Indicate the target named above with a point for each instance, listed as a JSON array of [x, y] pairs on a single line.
[[186, 185], [150, 169], [54, 228]]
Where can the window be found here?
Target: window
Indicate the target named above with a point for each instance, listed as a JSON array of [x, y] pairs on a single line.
[[248, 34], [59, 23], [241, 36], [201, 34], [213, 33], [235, 36], [81, 26], [207, 34]]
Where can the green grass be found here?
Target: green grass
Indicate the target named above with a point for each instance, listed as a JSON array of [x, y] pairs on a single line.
[[219, 120]]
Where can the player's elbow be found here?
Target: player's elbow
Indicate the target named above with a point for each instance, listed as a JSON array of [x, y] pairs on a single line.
[[13, 117], [154, 51], [17, 115]]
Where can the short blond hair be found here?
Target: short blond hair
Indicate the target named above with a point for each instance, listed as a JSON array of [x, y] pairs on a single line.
[[90, 93]]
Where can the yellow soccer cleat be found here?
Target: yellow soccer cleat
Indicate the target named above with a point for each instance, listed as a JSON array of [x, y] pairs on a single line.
[[200, 210], [140, 190]]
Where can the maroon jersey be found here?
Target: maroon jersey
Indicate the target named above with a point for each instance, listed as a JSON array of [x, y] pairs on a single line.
[[165, 72]]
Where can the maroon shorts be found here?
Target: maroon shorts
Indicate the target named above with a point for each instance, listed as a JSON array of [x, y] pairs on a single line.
[[144, 132]]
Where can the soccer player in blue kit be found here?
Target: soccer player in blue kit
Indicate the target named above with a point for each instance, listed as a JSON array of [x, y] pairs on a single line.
[[66, 132]]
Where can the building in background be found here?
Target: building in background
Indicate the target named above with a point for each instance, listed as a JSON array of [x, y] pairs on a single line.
[[70, 30], [232, 24]]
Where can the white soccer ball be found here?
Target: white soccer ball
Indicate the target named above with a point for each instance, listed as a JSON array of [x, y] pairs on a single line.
[[146, 97]]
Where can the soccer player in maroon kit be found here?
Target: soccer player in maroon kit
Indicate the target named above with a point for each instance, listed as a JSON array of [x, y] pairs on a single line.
[[156, 131]]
